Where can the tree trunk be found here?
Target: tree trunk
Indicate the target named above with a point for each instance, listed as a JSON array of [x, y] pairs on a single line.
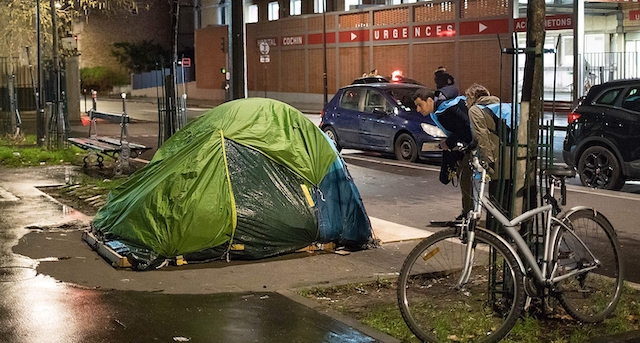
[[531, 107]]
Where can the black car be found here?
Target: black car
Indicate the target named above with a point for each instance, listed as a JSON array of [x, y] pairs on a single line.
[[603, 135], [381, 117]]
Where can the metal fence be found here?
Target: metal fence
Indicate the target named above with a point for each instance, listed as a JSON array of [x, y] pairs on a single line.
[[602, 67], [18, 77], [155, 78]]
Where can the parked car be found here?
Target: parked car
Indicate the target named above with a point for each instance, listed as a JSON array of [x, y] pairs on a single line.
[[603, 135], [381, 117]]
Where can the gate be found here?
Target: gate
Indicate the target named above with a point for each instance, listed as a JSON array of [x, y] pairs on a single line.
[[600, 67]]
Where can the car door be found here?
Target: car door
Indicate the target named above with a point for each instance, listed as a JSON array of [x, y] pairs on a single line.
[[346, 118], [623, 124], [377, 122]]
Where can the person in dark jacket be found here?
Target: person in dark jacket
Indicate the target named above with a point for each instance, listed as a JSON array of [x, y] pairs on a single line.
[[445, 84], [451, 116]]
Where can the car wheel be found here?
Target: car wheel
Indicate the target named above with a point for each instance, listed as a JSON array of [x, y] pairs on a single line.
[[331, 133], [405, 148], [599, 168]]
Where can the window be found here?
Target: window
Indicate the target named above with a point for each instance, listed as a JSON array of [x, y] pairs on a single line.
[[609, 97], [274, 11], [375, 101], [252, 14], [222, 14], [632, 100], [351, 99], [295, 7], [349, 3], [319, 6]]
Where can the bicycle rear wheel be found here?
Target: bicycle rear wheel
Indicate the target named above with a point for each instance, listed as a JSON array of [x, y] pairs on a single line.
[[589, 296], [437, 309]]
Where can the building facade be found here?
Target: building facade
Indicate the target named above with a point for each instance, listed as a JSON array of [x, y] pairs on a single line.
[[290, 44]]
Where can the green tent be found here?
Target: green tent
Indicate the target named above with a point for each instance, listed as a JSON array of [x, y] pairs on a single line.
[[250, 178]]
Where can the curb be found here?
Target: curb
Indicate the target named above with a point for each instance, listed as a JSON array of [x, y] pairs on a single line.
[[379, 336]]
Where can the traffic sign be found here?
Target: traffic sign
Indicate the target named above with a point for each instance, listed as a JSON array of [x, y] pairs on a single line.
[[354, 36], [264, 48], [186, 62], [484, 27]]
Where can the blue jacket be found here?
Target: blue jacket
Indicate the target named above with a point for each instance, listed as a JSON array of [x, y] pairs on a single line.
[[452, 117]]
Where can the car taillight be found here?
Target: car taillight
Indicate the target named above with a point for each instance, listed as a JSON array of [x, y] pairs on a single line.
[[573, 116]]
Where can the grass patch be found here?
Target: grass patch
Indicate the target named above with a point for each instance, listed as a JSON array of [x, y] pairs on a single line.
[[375, 305], [21, 151]]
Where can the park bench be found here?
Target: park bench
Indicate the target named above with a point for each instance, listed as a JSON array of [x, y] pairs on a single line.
[[120, 149]]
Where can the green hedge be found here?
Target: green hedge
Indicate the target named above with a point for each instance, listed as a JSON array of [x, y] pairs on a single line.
[[102, 79]]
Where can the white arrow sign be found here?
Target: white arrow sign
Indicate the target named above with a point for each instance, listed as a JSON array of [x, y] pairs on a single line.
[[481, 27], [353, 36]]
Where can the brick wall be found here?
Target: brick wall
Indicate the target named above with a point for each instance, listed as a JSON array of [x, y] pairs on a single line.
[[298, 69]]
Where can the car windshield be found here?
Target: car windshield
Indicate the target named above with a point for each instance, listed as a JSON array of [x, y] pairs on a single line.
[[402, 97]]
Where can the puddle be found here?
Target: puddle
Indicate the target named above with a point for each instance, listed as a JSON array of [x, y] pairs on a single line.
[[16, 273]]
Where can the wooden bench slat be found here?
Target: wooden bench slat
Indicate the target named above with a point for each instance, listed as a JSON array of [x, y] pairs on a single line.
[[95, 144], [110, 146], [113, 117]]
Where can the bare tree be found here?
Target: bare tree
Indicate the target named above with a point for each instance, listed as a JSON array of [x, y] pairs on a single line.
[[531, 106]]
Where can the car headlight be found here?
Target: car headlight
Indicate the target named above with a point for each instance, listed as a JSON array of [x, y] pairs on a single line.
[[432, 130]]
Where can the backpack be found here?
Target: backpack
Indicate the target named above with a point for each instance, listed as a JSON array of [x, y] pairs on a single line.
[[502, 117]]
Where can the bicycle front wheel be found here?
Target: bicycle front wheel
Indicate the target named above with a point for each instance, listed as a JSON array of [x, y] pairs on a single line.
[[437, 307], [588, 296]]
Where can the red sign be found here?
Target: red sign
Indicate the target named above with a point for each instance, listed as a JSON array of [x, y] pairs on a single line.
[[354, 36], [634, 15], [484, 27], [434, 30], [391, 33], [553, 22], [294, 40], [316, 38], [186, 62]]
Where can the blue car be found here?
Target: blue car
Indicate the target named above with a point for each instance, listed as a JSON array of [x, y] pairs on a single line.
[[381, 117]]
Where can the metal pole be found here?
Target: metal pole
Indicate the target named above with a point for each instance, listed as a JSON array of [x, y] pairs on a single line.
[[237, 41], [40, 124], [324, 49], [53, 124]]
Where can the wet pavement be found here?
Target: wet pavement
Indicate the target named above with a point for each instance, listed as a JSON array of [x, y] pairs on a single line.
[[55, 288]]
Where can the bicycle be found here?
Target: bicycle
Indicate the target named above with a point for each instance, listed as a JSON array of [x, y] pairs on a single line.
[[469, 284]]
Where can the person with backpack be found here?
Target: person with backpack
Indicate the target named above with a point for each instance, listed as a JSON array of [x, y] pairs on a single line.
[[452, 118], [487, 130]]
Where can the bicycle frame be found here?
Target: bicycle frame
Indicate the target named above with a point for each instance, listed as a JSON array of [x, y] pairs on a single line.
[[553, 226]]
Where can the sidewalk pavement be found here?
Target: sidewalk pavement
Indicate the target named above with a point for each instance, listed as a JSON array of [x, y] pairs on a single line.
[[63, 256], [76, 264]]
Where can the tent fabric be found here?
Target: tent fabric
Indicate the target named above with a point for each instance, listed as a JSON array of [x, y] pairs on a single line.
[[250, 178]]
